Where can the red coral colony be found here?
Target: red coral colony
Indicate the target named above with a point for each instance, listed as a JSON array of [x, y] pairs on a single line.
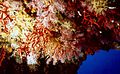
[[56, 31]]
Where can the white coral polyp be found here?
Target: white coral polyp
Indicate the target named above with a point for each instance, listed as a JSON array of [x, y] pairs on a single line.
[[31, 59]]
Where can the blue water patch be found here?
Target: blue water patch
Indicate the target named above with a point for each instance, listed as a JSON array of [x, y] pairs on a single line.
[[102, 62]]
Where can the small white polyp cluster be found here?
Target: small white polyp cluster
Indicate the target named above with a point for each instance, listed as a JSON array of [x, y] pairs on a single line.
[[31, 59]]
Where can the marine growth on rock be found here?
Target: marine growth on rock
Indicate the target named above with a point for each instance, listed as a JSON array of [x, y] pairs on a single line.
[[57, 30]]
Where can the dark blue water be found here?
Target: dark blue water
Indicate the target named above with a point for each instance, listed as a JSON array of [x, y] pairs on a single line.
[[102, 62]]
